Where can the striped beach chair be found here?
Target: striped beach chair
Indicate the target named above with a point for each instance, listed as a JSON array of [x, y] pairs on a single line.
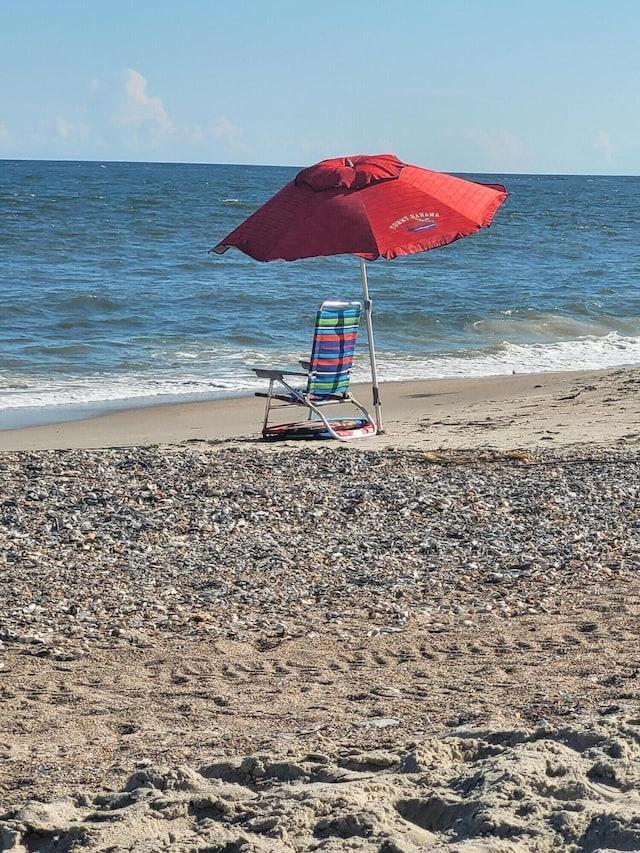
[[328, 375]]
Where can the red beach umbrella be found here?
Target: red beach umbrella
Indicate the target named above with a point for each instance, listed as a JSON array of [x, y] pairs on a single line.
[[370, 206]]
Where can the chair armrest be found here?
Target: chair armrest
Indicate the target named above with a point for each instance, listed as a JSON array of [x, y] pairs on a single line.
[[275, 373]]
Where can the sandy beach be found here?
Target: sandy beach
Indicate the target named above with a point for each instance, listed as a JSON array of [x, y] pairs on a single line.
[[423, 641], [500, 412]]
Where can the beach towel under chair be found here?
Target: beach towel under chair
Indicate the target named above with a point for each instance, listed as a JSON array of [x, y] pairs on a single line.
[[327, 375]]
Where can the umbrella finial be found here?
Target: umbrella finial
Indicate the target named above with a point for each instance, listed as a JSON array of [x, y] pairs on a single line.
[[348, 163]]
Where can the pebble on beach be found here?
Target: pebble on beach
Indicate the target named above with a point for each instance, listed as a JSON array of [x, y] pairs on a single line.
[[122, 545]]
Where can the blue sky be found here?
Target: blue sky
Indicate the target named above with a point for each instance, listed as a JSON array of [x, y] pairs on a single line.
[[498, 86]]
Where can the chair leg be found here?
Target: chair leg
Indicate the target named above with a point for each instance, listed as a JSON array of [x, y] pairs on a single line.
[[267, 407]]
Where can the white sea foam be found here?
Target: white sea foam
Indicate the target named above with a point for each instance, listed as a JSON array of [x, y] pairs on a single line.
[[588, 353]]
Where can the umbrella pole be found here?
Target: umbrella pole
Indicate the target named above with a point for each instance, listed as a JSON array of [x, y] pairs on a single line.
[[372, 348]]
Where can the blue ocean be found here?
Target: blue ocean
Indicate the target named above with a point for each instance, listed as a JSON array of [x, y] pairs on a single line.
[[110, 298]]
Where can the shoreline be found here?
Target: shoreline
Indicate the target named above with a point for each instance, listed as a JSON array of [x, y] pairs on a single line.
[[541, 409]]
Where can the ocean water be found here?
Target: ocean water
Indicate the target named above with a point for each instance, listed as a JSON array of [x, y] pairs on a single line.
[[110, 298]]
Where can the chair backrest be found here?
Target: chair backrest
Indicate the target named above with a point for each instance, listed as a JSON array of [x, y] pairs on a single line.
[[334, 346]]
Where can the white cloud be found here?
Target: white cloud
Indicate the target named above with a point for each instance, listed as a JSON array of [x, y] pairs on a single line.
[[147, 124], [139, 109], [69, 132], [225, 130], [503, 150], [63, 128], [604, 144], [5, 136]]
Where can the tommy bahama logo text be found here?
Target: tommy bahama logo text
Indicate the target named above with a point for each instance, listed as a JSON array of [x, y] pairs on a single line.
[[416, 221]]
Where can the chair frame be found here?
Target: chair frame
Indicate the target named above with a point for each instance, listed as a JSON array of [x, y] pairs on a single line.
[[311, 399]]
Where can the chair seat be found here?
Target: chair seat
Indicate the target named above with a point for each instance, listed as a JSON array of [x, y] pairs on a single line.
[[296, 401]]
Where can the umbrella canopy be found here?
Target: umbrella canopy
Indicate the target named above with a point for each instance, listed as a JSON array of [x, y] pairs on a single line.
[[370, 206]]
